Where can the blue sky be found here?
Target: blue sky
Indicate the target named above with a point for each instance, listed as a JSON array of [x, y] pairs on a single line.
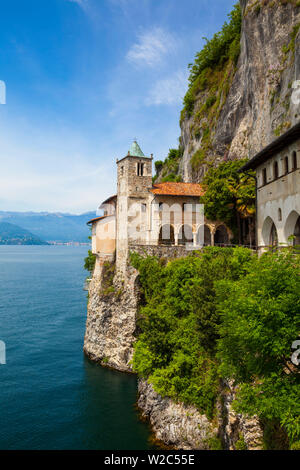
[[83, 78]]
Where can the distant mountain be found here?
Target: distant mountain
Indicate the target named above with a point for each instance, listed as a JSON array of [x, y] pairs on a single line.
[[56, 227], [11, 234]]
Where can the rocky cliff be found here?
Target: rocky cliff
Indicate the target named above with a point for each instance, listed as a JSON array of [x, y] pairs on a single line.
[[239, 105], [110, 334], [111, 319], [183, 427]]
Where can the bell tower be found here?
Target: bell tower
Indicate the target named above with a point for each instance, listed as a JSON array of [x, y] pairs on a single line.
[[134, 182]]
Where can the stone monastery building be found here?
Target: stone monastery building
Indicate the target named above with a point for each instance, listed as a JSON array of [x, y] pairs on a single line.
[[143, 214], [277, 169]]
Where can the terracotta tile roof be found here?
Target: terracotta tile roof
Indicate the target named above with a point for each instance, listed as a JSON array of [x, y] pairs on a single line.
[[96, 219], [177, 189]]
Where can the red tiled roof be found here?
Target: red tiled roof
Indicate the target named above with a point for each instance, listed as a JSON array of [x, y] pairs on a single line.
[[178, 189], [96, 219]]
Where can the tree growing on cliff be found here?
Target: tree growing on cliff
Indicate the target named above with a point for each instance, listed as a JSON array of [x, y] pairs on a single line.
[[89, 262], [260, 319], [229, 195]]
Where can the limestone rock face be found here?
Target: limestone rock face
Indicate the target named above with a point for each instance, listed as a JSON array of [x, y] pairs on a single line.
[[258, 107], [183, 427], [176, 425], [111, 322], [234, 426]]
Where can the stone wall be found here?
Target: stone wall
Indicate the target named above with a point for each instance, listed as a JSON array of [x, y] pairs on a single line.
[[161, 251]]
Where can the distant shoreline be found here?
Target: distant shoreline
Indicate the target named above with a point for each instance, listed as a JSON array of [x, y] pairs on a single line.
[[47, 244]]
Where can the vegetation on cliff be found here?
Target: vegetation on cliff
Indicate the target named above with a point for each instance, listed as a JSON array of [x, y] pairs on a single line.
[[210, 79], [89, 262], [168, 169], [223, 313], [229, 195]]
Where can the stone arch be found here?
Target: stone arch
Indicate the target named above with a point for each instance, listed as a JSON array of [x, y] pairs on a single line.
[[221, 236], [266, 230], [296, 240], [207, 236], [269, 233], [291, 224], [185, 235], [166, 235]]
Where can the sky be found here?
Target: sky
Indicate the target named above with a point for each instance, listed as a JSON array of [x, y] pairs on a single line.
[[83, 79]]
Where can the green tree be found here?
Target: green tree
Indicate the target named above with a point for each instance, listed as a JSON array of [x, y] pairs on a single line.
[[260, 320], [229, 195], [89, 262], [223, 46], [178, 323]]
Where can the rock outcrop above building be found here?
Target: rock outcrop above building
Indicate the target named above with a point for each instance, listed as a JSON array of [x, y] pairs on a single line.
[[251, 104]]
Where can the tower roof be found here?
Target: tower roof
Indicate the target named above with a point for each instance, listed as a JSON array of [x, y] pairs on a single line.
[[135, 150]]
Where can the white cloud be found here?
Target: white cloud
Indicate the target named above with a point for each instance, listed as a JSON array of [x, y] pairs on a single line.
[[151, 47], [170, 90], [81, 3]]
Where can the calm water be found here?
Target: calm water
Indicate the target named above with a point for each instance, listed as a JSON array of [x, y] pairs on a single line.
[[51, 396]]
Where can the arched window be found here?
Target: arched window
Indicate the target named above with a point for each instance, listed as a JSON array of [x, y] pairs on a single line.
[[185, 235], [273, 237], [296, 240], [206, 235], [166, 235], [221, 236], [279, 215], [275, 170], [286, 165], [295, 166]]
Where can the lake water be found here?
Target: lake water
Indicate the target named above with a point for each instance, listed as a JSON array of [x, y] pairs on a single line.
[[52, 397]]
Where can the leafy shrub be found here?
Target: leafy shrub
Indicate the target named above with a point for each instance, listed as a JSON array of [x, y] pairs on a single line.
[[158, 165], [178, 323], [260, 320], [228, 193], [89, 262], [217, 50]]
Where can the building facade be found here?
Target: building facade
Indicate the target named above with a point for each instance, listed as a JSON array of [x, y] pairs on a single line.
[[147, 214], [278, 191]]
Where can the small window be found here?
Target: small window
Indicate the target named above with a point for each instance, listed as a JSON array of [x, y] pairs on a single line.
[[122, 171], [286, 165], [295, 161], [279, 215], [140, 169], [264, 176], [144, 208], [275, 169]]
